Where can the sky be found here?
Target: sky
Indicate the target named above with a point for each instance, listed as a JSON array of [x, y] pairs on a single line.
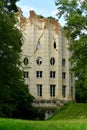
[[45, 8]]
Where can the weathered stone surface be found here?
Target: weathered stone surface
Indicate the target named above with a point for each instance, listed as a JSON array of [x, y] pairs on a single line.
[[45, 38]]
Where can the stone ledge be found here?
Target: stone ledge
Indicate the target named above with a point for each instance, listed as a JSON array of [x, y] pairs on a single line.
[[47, 103]]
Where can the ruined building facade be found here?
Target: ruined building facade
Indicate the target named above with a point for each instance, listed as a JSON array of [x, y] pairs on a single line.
[[45, 58]]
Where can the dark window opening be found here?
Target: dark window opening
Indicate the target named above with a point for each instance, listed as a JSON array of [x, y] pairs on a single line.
[[38, 74], [52, 74], [63, 75], [63, 62], [54, 45], [25, 61], [25, 74], [64, 91], [52, 61], [72, 92], [39, 60]]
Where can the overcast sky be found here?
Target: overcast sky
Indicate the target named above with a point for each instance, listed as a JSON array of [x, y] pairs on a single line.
[[45, 8]]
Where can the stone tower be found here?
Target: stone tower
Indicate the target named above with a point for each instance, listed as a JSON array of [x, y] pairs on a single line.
[[45, 57]]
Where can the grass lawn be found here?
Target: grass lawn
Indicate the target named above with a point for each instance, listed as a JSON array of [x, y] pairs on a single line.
[[71, 111], [72, 116], [11, 124]]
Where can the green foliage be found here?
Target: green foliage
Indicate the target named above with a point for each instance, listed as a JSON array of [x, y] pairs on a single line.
[[15, 100], [51, 18], [41, 16], [71, 111], [10, 5], [75, 15]]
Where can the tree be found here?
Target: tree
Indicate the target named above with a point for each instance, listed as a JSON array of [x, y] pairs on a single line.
[[14, 95], [15, 99], [75, 15], [10, 5]]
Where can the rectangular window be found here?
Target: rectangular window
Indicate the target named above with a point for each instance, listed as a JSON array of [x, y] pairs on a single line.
[[39, 74], [52, 74], [72, 92], [39, 90], [26, 74], [64, 91], [52, 90], [63, 62], [63, 75]]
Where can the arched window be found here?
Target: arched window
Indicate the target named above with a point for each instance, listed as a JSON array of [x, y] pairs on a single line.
[[39, 60], [25, 61], [52, 61], [38, 45], [54, 45]]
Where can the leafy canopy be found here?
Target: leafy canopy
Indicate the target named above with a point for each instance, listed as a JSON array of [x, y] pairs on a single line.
[[10, 5], [14, 96], [75, 15]]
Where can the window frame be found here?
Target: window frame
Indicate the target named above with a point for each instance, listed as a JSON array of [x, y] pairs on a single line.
[[63, 62], [25, 61], [54, 45], [52, 90], [39, 74], [39, 90], [64, 91], [72, 91], [52, 61], [52, 74], [38, 45], [26, 74], [39, 61], [63, 75]]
